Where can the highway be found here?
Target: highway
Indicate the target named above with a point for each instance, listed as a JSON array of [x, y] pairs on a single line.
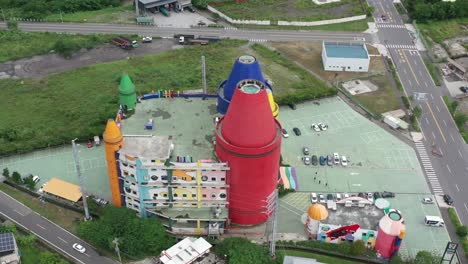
[[48, 232], [448, 173], [246, 34]]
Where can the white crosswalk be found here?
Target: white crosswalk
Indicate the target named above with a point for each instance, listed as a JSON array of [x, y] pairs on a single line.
[[427, 165], [230, 28], [396, 46], [382, 25], [258, 40]]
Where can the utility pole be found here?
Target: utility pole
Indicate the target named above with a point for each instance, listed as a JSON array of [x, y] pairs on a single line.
[[117, 250], [137, 10], [273, 232], [78, 172], [203, 74]]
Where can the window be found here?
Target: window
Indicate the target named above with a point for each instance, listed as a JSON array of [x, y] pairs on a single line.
[[164, 177], [153, 160], [176, 195], [222, 195], [184, 195], [204, 196], [349, 67], [154, 177], [174, 178], [164, 194], [204, 178], [134, 192], [127, 189], [124, 164], [155, 195], [222, 179], [213, 195], [360, 68], [125, 173], [213, 178], [194, 204], [194, 196]]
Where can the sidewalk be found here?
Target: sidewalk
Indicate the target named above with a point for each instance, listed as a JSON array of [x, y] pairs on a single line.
[[453, 235]]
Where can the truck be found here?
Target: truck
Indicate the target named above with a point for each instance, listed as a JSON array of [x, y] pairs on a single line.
[[391, 121], [164, 11], [210, 38], [190, 39], [124, 43]]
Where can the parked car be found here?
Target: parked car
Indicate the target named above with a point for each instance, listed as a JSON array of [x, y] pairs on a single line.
[[305, 150], [448, 199], [336, 158], [338, 197], [386, 194], [377, 195], [314, 160], [370, 197], [191, 9], [315, 127], [329, 160], [321, 198], [147, 39], [306, 160], [464, 89], [313, 197], [362, 195], [427, 200], [285, 133], [330, 197], [79, 248], [345, 195], [322, 126], [216, 119], [323, 160], [297, 131], [344, 161]]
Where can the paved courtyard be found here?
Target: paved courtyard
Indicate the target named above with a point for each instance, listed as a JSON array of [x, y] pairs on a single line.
[[378, 161]]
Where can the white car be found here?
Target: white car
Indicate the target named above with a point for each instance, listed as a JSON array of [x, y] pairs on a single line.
[[79, 248], [147, 39], [345, 195], [344, 161], [322, 126], [321, 198], [36, 179], [338, 197], [315, 127], [427, 200], [313, 197], [370, 197], [284, 132], [336, 158]]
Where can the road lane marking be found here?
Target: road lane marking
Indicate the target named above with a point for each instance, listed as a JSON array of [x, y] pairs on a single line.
[[438, 108], [427, 120], [87, 255], [18, 212], [466, 207], [62, 240], [437, 123], [433, 135], [445, 123], [459, 153], [448, 168], [425, 83], [452, 137], [41, 226], [431, 95], [456, 186], [411, 68]]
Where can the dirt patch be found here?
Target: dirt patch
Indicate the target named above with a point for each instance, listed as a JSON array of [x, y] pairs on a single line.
[[463, 106], [41, 66]]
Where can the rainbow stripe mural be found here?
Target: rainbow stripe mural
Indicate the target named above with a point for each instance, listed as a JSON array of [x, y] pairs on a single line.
[[288, 178]]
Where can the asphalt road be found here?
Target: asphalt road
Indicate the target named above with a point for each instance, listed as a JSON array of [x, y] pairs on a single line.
[[447, 173], [48, 232], [246, 34]]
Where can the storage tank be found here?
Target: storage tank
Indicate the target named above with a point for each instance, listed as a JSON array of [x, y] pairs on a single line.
[[391, 234], [248, 137]]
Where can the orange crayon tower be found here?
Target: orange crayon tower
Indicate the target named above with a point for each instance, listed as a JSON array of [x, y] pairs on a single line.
[[113, 141]]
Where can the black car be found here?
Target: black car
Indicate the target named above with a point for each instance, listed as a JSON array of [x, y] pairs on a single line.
[[323, 160], [330, 197], [448, 199], [464, 89], [314, 160], [191, 9], [377, 195], [362, 195], [293, 106], [386, 194], [297, 131]]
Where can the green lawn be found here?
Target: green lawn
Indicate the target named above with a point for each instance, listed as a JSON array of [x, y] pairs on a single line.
[[318, 257], [292, 10], [354, 26], [19, 44], [432, 71], [36, 113], [439, 31], [121, 14]]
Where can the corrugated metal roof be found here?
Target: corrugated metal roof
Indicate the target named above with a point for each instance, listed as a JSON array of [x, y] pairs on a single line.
[[63, 189]]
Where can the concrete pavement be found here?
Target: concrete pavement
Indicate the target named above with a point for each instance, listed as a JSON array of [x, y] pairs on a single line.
[[246, 34], [48, 232]]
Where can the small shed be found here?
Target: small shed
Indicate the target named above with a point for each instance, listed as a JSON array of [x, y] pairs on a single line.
[[63, 189]]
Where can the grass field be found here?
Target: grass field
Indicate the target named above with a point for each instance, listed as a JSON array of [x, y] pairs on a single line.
[[354, 26], [309, 55], [63, 106], [297, 10], [432, 71], [318, 257], [19, 44], [61, 216], [122, 14], [439, 31]]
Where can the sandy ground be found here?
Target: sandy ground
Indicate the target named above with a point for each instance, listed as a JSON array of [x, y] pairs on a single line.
[[43, 65]]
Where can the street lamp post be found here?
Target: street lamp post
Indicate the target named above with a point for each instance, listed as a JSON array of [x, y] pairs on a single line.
[[78, 172]]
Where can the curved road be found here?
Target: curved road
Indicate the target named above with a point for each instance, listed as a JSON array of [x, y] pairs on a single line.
[[48, 232], [246, 34], [446, 174]]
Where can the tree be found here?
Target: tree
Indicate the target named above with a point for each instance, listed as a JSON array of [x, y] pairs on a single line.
[[357, 248], [16, 177], [26, 241], [417, 111], [6, 173], [460, 119], [48, 257], [9, 228], [453, 106], [66, 47], [369, 11], [29, 183], [241, 251], [462, 231], [426, 257]]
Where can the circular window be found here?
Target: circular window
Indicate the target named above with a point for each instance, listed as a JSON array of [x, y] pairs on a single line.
[[204, 178], [213, 195], [127, 189], [154, 177], [223, 195]]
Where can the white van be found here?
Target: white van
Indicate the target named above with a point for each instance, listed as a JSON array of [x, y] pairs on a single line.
[[313, 197], [433, 221]]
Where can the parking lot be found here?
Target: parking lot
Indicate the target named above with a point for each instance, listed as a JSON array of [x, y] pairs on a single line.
[[378, 161]]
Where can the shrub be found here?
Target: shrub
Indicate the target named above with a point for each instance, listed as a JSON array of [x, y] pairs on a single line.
[[12, 25], [462, 231], [66, 47], [16, 177], [357, 248], [6, 172], [406, 102], [282, 191]]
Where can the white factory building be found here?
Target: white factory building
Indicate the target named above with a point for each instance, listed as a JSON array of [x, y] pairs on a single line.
[[350, 57]]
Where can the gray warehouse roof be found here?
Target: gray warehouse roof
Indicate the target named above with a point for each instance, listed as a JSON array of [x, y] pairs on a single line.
[[341, 50], [153, 147]]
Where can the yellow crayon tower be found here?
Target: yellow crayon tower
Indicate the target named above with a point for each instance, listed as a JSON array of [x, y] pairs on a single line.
[[113, 141]]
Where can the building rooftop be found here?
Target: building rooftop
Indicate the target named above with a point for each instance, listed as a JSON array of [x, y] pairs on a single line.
[[299, 260], [346, 50], [63, 189], [154, 147], [185, 251]]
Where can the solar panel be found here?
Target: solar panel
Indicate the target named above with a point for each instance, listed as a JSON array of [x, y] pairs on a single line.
[[7, 242]]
